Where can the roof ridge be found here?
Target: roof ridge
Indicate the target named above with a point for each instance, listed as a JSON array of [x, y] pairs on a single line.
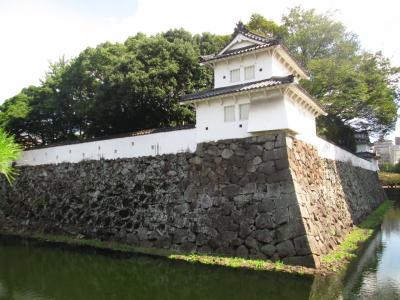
[[272, 42], [259, 36], [241, 28]]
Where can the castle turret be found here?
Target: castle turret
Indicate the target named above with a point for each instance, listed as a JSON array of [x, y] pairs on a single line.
[[255, 90]]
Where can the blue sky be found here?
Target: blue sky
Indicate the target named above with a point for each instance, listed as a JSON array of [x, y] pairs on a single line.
[[34, 32]]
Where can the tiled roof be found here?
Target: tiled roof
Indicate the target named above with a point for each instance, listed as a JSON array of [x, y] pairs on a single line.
[[266, 43], [273, 81], [269, 43], [241, 29]]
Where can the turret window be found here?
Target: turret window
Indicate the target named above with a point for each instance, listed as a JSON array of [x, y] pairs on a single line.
[[244, 111], [229, 113], [235, 75], [249, 73]]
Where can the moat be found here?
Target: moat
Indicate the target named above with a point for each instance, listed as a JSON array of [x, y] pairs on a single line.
[[35, 271]]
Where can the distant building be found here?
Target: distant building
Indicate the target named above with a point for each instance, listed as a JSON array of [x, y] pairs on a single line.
[[387, 152], [397, 140]]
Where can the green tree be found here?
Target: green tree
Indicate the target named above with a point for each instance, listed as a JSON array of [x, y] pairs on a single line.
[[359, 90], [9, 152], [265, 27], [122, 87], [313, 36], [112, 89]]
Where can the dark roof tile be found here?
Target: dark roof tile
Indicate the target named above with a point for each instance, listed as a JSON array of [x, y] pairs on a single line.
[[271, 42], [273, 81]]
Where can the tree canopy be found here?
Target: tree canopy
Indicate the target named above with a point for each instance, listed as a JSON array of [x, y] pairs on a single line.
[[359, 90], [122, 87], [113, 88]]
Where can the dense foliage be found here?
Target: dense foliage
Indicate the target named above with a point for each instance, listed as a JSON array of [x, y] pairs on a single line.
[[113, 89], [359, 90], [9, 152], [123, 87], [390, 168]]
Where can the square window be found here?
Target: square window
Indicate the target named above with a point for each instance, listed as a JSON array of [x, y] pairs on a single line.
[[229, 113], [244, 111], [249, 73], [235, 75]]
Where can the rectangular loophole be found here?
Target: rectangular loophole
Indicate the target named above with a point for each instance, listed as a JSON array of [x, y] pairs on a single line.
[[244, 111], [235, 75], [229, 113], [249, 73]]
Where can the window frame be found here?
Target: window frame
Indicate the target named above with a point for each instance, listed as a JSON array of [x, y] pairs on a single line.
[[253, 67], [241, 118], [226, 120], [231, 77]]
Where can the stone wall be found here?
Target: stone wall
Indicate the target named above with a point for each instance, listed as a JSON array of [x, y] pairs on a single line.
[[332, 196], [261, 197]]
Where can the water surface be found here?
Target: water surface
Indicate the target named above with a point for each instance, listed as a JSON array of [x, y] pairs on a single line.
[[30, 270]]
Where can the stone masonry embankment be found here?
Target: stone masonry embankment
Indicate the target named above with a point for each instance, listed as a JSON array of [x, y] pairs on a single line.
[[267, 197], [332, 196]]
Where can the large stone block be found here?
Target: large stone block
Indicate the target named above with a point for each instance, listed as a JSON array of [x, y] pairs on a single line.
[[285, 249], [242, 251], [264, 236], [306, 261], [264, 221], [302, 245]]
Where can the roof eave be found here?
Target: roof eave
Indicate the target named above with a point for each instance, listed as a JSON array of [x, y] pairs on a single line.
[[278, 86], [213, 60], [314, 103], [303, 73]]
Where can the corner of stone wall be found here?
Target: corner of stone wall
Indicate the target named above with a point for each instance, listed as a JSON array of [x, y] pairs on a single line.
[[332, 196]]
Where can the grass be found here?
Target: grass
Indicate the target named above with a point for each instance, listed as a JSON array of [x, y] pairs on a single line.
[[389, 179], [214, 260], [232, 262], [279, 265], [361, 233]]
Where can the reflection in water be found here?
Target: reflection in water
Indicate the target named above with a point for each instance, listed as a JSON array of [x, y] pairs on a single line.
[[31, 271], [376, 272], [379, 276]]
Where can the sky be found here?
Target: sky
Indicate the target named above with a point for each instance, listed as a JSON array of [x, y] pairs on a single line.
[[36, 32]]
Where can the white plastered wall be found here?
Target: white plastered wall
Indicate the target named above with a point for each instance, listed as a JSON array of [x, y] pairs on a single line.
[[300, 120], [144, 145], [265, 66], [261, 60], [267, 113], [333, 152], [278, 69], [210, 123]]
